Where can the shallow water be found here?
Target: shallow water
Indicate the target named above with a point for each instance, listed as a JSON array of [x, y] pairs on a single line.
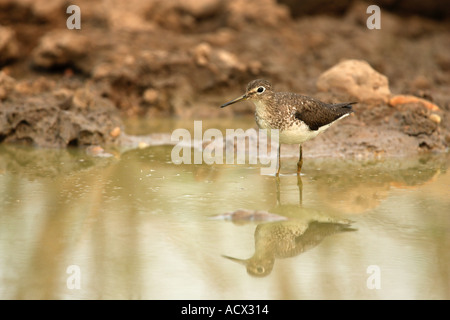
[[136, 226]]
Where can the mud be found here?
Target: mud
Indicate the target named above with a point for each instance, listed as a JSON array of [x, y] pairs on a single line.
[[61, 87]]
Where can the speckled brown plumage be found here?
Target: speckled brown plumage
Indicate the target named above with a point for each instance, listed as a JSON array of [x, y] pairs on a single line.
[[284, 239], [284, 109], [298, 118]]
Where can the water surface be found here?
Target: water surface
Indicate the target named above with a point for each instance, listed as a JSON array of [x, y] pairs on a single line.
[[136, 226]]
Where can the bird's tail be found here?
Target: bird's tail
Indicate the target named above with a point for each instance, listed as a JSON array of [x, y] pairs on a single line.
[[345, 105], [344, 108]]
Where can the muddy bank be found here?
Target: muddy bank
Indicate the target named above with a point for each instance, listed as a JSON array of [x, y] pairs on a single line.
[[48, 115], [61, 87]]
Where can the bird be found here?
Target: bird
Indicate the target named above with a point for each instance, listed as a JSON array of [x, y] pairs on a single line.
[[302, 231], [298, 118], [287, 230]]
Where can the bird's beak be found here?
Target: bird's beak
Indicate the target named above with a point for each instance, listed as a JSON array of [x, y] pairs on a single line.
[[243, 97], [240, 261]]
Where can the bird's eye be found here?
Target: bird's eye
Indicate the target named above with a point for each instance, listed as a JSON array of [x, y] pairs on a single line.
[[261, 89]]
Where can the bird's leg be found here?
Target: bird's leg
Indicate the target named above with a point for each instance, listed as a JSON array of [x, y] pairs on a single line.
[[300, 190], [279, 162], [300, 161], [278, 190]]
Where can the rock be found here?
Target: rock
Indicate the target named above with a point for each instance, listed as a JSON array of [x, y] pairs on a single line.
[[405, 99], [220, 63], [6, 85], [142, 145], [115, 132], [150, 96], [129, 17], [60, 49], [259, 12], [173, 15], [415, 120], [183, 16], [202, 53], [435, 118], [217, 60], [63, 94], [199, 8], [54, 120], [357, 79], [36, 86], [83, 98], [9, 46]]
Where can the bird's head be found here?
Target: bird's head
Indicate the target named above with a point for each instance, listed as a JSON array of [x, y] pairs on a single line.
[[257, 90], [256, 266]]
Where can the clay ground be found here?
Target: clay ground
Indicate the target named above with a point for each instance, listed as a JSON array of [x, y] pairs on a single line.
[[61, 87]]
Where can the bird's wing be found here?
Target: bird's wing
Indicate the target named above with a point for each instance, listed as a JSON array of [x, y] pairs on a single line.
[[317, 114]]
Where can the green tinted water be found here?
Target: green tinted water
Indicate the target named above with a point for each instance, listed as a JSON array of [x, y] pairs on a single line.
[[136, 226]]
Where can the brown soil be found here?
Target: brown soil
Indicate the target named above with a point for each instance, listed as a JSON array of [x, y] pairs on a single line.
[[159, 58]]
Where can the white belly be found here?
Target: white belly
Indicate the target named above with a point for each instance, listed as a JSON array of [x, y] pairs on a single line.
[[300, 134]]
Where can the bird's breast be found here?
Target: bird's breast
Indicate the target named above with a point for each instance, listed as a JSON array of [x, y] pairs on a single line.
[[269, 117], [262, 116]]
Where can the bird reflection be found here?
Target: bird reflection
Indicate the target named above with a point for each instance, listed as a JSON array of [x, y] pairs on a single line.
[[302, 230]]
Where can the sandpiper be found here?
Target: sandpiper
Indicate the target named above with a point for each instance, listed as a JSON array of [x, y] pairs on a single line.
[[298, 118]]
